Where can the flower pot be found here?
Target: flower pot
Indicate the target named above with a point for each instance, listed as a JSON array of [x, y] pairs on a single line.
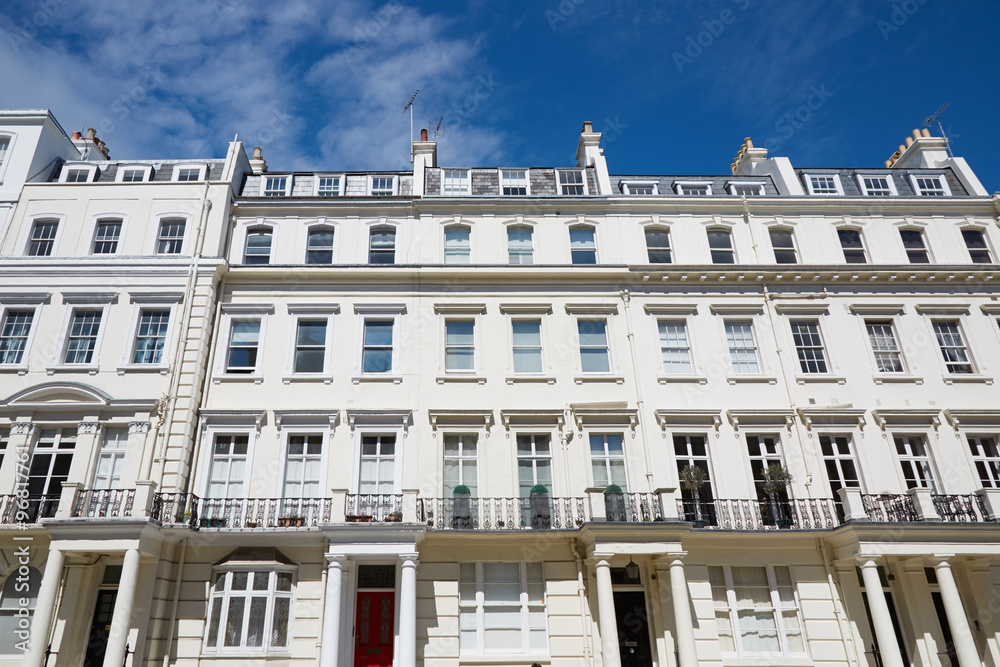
[[358, 518], [290, 522]]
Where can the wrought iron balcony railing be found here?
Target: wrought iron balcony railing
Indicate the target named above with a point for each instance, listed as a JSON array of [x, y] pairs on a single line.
[[632, 507], [889, 507], [104, 503], [369, 507], [534, 513], [240, 513], [967, 508], [15, 509], [754, 514]]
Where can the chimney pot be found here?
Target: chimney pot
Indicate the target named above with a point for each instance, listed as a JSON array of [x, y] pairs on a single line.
[[91, 133], [902, 149], [588, 127], [423, 135], [916, 134], [909, 141], [925, 132], [76, 135], [257, 153]]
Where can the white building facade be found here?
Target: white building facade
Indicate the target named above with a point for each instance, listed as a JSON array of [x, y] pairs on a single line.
[[509, 416]]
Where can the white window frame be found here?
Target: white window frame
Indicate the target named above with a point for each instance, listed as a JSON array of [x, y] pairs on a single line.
[[914, 460], [728, 229], [824, 352], [34, 306], [864, 247], [396, 246], [289, 178], [310, 312], [607, 344], [368, 312], [523, 605], [541, 345], [593, 231], [210, 433], [461, 457], [140, 303], [776, 608], [116, 453], [146, 169], [465, 182], [991, 463], [157, 227], [942, 180], [811, 191], [607, 457], [394, 429], [336, 193], [59, 361], [534, 457], [527, 182], [889, 180], [444, 243], [679, 187], [891, 323], [240, 313], [760, 185], [323, 430], [658, 322], [121, 219], [507, 246], [794, 249], [560, 185], [60, 222], [255, 226], [733, 371], [475, 345], [321, 223], [6, 153], [986, 241], [970, 359], [838, 458], [67, 167], [272, 594], [659, 227], [202, 172], [922, 230], [654, 185], [392, 178]]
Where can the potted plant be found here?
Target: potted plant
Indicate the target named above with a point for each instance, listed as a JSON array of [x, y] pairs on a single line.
[[290, 521], [614, 503], [185, 518], [776, 481], [395, 516], [692, 478], [460, 512], [541, 513]]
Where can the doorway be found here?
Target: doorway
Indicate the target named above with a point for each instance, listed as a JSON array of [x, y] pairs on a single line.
[[374, 629], [100, 628], [633, 629]]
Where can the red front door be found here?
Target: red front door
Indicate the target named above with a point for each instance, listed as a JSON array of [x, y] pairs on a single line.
[[373, 629]]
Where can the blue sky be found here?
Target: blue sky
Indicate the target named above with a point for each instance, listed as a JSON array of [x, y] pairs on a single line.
[[674, 86]]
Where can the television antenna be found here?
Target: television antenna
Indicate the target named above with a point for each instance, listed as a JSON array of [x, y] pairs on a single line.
[[409, 107], [936, 118], [437, 129]]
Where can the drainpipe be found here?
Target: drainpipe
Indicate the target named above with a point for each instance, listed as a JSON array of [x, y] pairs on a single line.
[[640, 403], [173, 606]]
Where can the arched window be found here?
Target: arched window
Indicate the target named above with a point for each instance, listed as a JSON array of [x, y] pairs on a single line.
[[975, 241], [457, 245], [783, 245], [258, 247], [720, 242], [319, 246], [519, 245], [20, 591], [913, 243], [382, 245], [4, 146], [658, 245], [582, 247]]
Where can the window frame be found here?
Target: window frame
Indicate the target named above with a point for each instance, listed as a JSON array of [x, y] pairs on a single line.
[[310, 312], [465, 182], [760, 185], [175, 175], [524, 606], [513, 346], [95, 225], [561, 185], [922, 231], [394, 429], [660, 322], [606, 347], [592, 248], [146, 169], [932, 474], [57, 220], [986, 249], [223, 335], [140, 305], [776, 607], [990, 464], [255, 229], [227, 569], [394, 181], [653, 186], [669, 249], [861, 238], [527, 182], [381, 225], [837, 458], [607, 458], [892, 192], [530, 254], [59, 362], [21, 366], [824, 355], [67, 167], [5, 154], [970, 359], [264, 190], [461, 458], [533, 456], [466, 248], [383, 313], [170, 218], [732, 244], [775, 250], [733, 370], [305, 430], [319, 225], [680, 186], [920, 192], [811, 189], [475, 344], [876, 364], [339, 192]]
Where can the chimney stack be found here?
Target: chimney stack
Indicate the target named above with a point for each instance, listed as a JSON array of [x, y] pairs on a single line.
[[258, 164], [590, 154], [423, 135], [95, 149]]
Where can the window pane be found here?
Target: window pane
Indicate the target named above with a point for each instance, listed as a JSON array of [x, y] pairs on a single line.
[[279, 624], [234, 621]]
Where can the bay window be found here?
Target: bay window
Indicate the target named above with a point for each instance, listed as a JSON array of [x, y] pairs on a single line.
[[249, 611]]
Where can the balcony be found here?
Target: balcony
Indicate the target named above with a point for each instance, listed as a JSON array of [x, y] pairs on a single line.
[[15, 509], [632, 507], [374, 507], [889, 507], [754, 514], [535, 513], [969, 508], [240, 513], [104, 503]]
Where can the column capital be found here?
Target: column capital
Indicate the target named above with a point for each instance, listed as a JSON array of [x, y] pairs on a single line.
[[138, 427], [22, 428], [669, 559], [409, 560], [89, 428], [868, 560], [336, 560], [941, 560]]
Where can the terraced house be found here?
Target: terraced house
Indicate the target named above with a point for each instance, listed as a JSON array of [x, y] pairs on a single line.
[[451, 416]]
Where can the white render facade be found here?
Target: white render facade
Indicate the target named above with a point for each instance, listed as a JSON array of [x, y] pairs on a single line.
[[445, 416]]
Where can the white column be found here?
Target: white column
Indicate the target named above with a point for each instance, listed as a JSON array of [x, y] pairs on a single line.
[[884, 632], [606, 614], [961, 634], [44, 608], [329, 653], [408, 611], [121, 618], [684, 632]]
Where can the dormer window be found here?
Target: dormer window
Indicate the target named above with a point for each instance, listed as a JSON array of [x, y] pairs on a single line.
[[4, 145], [514, 182], [382, 186], [571, 182], [641, 188], [746, 189], [78, 173], [456, 182], [327, 186], [693, 188], [134, 174], [877, 186], [189, 172], [930, 186], [823, 184], [276, 186]]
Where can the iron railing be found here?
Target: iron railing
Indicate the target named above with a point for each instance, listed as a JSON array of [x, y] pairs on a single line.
[[17, 509], [104, 503], [754, 514], [889, 507], [632, 507], [967, 508], [533, 513], [367, 507], [240, 513]]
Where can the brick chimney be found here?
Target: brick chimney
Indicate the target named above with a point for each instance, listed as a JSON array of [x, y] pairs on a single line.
[[424, 154]]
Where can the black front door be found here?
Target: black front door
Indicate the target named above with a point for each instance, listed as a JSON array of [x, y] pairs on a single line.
[[100, 628], [633, 629]]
